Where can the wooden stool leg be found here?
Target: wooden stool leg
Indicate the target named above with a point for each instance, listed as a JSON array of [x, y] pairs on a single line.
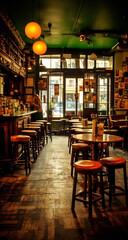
[[27, 158], [110, 173], [29, 161], [34, 149], [74, 191], [90, 196], [125, 184], [85, 186], [13, 157], [72, 161], [102, 190]]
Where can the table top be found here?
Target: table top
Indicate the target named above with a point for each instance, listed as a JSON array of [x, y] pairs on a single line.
[[106, 138], [119, 120], [77, 121], [86, 130]]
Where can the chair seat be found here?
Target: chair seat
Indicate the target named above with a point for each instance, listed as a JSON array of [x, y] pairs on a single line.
[[112, 160], [88, 165], [29, 132], [20, 138], [32, 127], [79, 145], [34, 124]]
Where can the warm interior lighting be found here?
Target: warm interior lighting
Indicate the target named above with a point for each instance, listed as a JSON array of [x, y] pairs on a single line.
[[29, 65], [33, 30], [39, 47], [82, 38]]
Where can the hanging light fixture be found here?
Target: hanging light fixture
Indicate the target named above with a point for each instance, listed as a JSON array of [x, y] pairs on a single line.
[[33, 30], [39, 47]]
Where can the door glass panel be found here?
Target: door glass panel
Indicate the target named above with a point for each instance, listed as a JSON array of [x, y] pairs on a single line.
[[103, 95], [80, 96], [56, 95], [70, 106], [43, 97]]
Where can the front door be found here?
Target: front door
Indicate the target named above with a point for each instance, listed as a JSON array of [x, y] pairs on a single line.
[[73, 96]]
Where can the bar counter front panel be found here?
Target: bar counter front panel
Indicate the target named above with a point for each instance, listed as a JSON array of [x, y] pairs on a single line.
[[11, 125]]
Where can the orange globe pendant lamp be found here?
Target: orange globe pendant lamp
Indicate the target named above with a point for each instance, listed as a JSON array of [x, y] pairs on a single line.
[[39, 47], [33, 30]]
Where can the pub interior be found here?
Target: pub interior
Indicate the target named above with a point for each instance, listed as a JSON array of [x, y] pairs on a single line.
[[63, 120]]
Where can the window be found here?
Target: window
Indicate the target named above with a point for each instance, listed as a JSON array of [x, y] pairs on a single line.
[[105, 62], [70, 63], [56, 95], [103, 95], [82, 61], [50, 61], [90, 64]]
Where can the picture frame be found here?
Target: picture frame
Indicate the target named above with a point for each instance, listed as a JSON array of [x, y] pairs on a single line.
[[29, 98], [42, 84], [126, 79], [30, 82], [86, 83], [29, 90], [126, 85], [121, 85]]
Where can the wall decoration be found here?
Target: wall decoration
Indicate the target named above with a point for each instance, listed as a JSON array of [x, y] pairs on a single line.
[[30, 82], [56, 89], [121, 85], [29, 98], [29, 90], [42, 84]]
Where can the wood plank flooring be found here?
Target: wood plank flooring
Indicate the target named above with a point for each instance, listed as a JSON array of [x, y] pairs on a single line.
[[38, 207]]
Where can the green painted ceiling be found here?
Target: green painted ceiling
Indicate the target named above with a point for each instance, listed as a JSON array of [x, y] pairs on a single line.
[[101, 21]]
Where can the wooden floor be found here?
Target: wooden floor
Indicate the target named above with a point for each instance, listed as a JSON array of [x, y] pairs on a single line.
[[39, 206]]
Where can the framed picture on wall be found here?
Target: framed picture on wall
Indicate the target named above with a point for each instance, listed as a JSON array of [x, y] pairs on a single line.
[[121, 85], [30, 81], [29, 98], [29, 90], [42, 84]]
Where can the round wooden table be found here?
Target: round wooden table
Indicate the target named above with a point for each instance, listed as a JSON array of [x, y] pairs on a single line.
[[95, 140], [81, 126], [87, 130]]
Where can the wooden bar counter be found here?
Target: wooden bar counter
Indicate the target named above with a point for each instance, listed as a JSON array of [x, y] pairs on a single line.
[[11, 125]]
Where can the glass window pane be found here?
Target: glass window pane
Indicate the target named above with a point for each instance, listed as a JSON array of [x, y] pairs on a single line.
[[82, 61], [70, 63], [56, 95], [90, 64], [45, 62], [55, 63], [43, 97], [105, 62], [80, 96], [70, 91]]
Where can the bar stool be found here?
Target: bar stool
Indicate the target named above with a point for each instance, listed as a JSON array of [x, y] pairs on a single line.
[[33, 139], [41, 125], [113, 163], [16, 140], [48, 130], [37, 129], [76, 149], [45, 128], [88, 168]]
